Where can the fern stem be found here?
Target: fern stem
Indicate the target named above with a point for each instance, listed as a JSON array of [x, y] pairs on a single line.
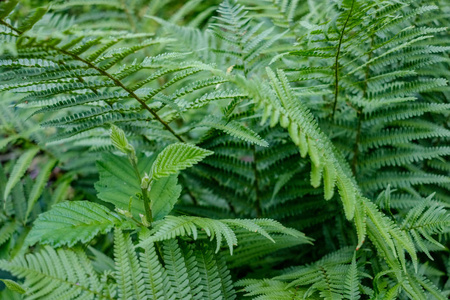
[[189, 192], [20, 33], [10, 27], [360, 115], [336, 62], [148, 210]]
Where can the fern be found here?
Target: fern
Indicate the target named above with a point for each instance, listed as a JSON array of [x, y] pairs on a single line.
[[234, 129], [172, 227], [155, 276], [177, 138], [177, 157], [67, 274], [351, 282], [19, 169], [127, 269], [84, 220]]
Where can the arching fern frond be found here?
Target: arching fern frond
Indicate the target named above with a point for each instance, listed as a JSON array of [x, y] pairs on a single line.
[[73, 221], [425, 220], [234, 129], [172, 227], [57, 274]]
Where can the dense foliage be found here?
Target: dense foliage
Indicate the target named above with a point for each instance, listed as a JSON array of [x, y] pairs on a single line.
[[251, 149]]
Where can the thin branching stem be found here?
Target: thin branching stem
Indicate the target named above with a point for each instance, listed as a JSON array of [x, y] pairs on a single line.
[[359, 114], [336, 62], [120, 84]]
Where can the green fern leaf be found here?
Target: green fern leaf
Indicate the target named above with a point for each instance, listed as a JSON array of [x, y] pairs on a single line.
[[155, 276], [163, 195], [177, 270], [360, 221], [129, 274], [226, 283], [19, 169], [192, 267], [208, 271], [38, 187], [70, 222], [177, 157], [351, 287], [32, 19], [6, 231], [13, 286], [60, 274], [421, 223], [235, 129], [172, 227]]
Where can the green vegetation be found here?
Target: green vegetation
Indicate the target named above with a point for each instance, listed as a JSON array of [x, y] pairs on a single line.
[[251, 149]]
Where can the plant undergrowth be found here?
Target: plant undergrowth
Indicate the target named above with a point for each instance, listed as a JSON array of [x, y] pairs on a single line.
[[251, 149]]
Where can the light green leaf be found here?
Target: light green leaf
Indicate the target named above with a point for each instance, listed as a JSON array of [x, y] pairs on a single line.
[[19, 169], [53, 274], [235, 129], [6, 230], [119, 140], [70, 222], [177, 157], [118, 182], [163, 195], [7, 7], [32, 19], [13, 286], [128, 271], [39, 185], [281, 182], [5, 141], [351, 284]]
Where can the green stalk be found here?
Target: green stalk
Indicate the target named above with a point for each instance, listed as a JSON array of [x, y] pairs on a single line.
[[145, 196]]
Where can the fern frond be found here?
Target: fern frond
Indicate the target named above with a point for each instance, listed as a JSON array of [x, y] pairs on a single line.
[[402, 156], [177, 269], [215, 96], [57, 274], [23, 163], [72, 101], [351, 282], [270, 289], [6, 231], [177, 157], [129, 275], [257, 247], [235, 129], [172, 227], [155, 276], [73, 221], [209, 275], [422, 222], [325, 276], [39, 185], [401, 180]]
